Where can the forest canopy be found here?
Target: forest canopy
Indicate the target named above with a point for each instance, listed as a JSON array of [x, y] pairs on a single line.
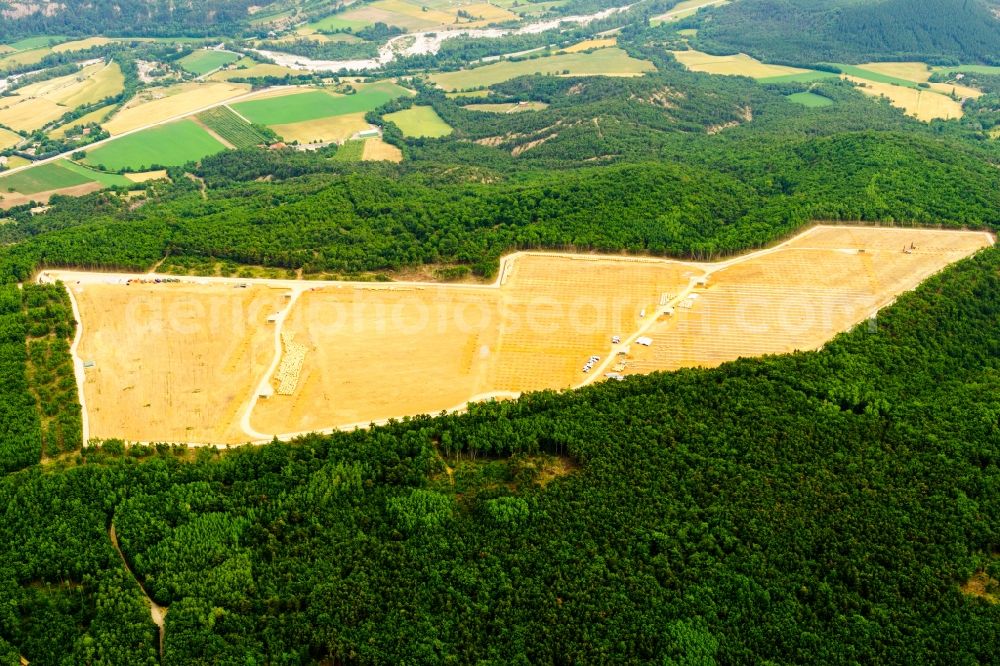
[[812, 31]]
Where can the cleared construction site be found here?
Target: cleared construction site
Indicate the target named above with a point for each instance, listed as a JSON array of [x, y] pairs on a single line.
[[222, 360]]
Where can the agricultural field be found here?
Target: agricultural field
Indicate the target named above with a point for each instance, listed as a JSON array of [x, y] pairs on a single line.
[[15, 161], [166, 145], [339, 354], [736, 65], [42, 178], [8, 139], [414, 16], [231, 127], [161, 104], [908, 74], [32, 43], [972, 69], [906, 71], [350, 151], [21, 58], [332, 128], [313, 105], [146, 176], [338, 22], [419, 121], [59, 177], [81, 44], [516, 107], [95, 116], [809, 76], [684, 9], [811, 100], [35, 105], [588, 44], [204, 61], [603, 62], [920, 103], [377, 150], [247, 68], [105, 179]]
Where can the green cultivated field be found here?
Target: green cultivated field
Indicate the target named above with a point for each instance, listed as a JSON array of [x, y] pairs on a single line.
[[335, 22], [51, 176], [301, 107], [804, 77], [108, 179], [812, 100], [610, 62], [350, 151], [204, 61], [861, 73], [37, 42], [420, 121], [971, 69], [168, 145], [231, 127]]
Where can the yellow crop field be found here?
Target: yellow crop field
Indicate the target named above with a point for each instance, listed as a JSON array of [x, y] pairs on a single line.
[[377, 150], [408, 16], [587, 44], [332, 128], [603, 62], [160, 104], [203, 360], [31, 57], [923, 105], [146, 176], [250, 71], [958, 89], [81, 44], [94, 116], [8, 139], [38, 104], [917, 72], [488, 13], [28, 114], [684, 9], [734, 65], [10, 199], [105, 82]]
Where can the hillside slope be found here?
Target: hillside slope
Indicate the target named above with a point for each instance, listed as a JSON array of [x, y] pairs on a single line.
[[852, 31], [137, 17]]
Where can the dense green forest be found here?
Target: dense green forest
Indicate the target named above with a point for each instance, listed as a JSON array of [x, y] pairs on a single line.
[[812, 31], [826, 507], [813, 508], [194, 18]]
